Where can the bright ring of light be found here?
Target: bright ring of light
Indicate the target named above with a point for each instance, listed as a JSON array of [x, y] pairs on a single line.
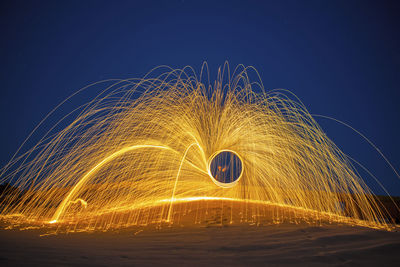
[[225, 184]]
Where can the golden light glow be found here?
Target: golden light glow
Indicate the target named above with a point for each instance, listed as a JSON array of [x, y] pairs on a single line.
[[144, 146], [218, 183]]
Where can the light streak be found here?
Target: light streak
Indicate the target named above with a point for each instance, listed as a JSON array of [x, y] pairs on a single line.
[[145, 145]]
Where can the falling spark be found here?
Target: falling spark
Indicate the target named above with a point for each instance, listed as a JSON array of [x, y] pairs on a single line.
[[150, 143]]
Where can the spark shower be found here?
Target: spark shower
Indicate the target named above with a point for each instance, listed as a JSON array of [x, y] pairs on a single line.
[[144, 150]]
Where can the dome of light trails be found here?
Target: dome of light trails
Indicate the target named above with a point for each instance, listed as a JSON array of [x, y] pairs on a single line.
[[144, 149]]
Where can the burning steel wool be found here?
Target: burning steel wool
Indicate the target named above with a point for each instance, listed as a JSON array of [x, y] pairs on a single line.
[[153, 149]]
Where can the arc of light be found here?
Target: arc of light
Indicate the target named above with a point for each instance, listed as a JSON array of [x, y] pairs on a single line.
[[176, 179], [363, 136], [66, 200]]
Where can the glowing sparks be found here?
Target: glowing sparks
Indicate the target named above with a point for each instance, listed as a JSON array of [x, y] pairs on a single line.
[[126, 158]]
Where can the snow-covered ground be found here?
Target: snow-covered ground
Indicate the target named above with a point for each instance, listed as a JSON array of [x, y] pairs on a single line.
[[243, 244]]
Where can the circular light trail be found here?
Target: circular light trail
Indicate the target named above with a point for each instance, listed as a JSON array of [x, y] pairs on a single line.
[[225, 168]]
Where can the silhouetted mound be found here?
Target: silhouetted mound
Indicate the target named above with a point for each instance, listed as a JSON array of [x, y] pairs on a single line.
[[189, 213]]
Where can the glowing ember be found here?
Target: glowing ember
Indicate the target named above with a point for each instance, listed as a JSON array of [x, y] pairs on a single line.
[[126, 158]]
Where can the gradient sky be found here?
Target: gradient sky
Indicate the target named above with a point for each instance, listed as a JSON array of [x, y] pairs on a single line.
[[341, 58]]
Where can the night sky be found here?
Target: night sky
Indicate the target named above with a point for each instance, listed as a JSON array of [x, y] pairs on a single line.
[[341, 58]]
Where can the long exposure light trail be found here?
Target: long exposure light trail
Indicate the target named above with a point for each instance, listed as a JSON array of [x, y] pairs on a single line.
[[144, 146]]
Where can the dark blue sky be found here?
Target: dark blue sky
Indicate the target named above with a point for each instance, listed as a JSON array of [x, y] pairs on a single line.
[[342, 58]]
